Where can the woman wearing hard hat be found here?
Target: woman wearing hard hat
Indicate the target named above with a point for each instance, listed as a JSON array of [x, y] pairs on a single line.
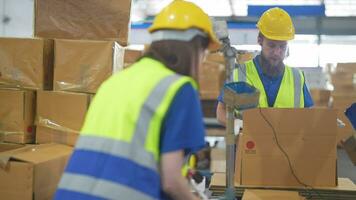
[[280, 86], [144, 119]]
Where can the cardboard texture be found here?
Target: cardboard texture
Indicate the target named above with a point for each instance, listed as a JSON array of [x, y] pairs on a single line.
[[321, 97], [131, 56], [17, 113], [346, 189], [341, 103], [33, 171], [211, 79], [49, 135], [350, 148], [308, 137], [83, 19], [83, 65], [9, 146], [346, 67], [216, 57], [26, 63], [60, 116], [218, 160], [254, 194]]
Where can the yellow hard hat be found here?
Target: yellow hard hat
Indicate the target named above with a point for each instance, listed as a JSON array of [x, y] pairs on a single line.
[[276, 24], [183, 15]]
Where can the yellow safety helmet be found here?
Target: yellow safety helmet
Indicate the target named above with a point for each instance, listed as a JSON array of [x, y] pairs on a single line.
[[183, 15], [276, 24]]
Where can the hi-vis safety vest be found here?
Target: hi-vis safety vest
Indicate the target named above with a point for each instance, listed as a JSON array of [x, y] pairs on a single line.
[[290, 93], [121, 133]]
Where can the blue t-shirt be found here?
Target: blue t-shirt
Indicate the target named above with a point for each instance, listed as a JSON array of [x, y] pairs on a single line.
[[271, 86], [183, 126]]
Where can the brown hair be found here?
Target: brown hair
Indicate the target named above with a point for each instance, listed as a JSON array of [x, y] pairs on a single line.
[[179, 56]]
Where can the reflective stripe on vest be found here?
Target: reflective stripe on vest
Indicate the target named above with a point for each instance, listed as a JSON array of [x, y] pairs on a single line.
[[100, 188], [297, 87], [292, 81]]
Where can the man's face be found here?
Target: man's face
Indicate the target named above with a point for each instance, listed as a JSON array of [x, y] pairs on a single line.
[[274, 51]]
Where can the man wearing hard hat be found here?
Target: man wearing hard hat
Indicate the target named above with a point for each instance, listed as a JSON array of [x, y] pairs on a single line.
[[280, 86], [145, 119]]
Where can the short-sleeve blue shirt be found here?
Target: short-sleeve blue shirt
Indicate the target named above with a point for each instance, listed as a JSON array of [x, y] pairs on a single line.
[[271, 86], [183, 126]]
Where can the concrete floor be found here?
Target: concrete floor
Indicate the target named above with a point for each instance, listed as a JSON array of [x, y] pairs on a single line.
[[345, 168]]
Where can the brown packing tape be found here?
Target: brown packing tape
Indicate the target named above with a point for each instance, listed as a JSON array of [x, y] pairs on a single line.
[[53, 125], [65, 86]]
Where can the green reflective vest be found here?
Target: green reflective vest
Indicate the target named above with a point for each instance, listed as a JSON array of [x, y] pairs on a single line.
[[122, 127], [290, 93]]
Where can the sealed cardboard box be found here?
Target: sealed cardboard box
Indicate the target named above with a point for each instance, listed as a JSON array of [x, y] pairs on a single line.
[[26, 63], [17, 113], [82, 65], [211, 79], [60, 116], [308, 138], [255, 194], [83, 19], [32, 172]]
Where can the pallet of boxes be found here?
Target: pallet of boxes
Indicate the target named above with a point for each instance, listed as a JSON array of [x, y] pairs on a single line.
[[47, 83]]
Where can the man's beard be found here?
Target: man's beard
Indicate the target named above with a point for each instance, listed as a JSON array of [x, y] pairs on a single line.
[[269, 69]]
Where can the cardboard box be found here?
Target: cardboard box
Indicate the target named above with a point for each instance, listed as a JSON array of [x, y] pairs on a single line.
[[33, 171], [82, 65], [60, 116], [26, 63], [346, 67], [83, 19], [17, 113], [307, 136], [211, 80], [320, 97], [255, 194]]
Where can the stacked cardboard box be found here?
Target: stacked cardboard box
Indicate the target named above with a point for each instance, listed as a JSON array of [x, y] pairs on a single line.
[[211, 79], [76, 48], [321, 97], [60, 116], [31, 172], [83, 19], [26, 65], [17, 112], [344, 94]]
